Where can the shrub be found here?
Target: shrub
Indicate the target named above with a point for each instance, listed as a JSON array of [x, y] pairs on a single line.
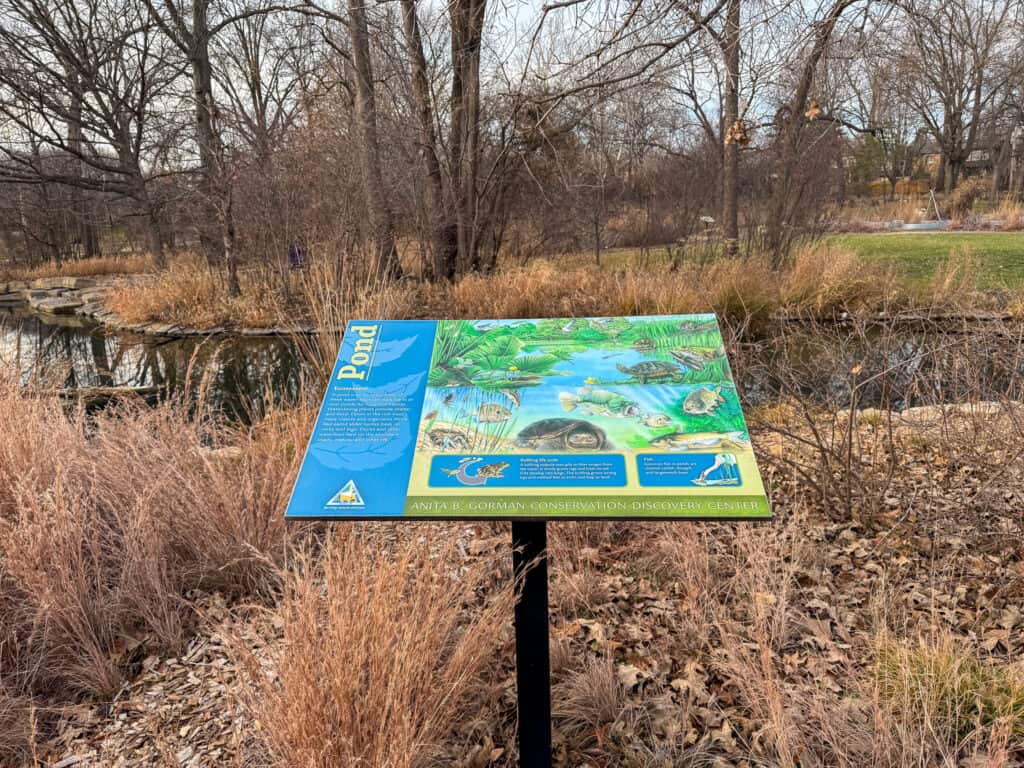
[[962, 199]]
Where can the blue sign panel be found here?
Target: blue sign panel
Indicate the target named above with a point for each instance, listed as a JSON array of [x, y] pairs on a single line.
[[549, 418], [532, 471], [695, 470]]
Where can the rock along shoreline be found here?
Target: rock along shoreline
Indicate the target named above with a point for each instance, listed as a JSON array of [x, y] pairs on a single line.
[[82, 297]]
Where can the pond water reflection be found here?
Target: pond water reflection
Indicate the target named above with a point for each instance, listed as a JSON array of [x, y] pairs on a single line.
[[232, 374], [867, 364]]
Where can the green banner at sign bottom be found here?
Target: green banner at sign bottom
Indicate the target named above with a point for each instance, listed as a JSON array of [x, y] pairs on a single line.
[[751, 507]]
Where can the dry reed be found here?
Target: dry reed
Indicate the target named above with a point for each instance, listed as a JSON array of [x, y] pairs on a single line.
[[822, 280], [99, 266]]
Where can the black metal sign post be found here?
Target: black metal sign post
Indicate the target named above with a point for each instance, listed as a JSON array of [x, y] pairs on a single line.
[[533, 665]]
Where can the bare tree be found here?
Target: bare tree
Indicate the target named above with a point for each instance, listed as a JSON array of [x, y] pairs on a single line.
[[191, 27], [86, 81], [954, 46], [445, 245], [871, 96], [386, 258], [792, 118]]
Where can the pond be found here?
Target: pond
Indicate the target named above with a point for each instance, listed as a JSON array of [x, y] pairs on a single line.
[[885, 365], [233, 375]]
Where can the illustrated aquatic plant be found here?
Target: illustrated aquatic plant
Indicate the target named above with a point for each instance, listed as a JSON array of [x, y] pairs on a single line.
[[491, 360]]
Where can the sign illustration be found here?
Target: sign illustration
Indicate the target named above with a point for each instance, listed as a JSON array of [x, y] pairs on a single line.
[[611, 417]]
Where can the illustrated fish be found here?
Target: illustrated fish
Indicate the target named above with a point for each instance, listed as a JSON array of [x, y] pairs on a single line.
[[448, 398], [702, 401], [430, 416], [701, 441], [513, 395], [656, 420], [696, 358], [493, 413], [690, 359], [600, 402]]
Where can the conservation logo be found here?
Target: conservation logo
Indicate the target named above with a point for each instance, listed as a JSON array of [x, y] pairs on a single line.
[[348, 496]]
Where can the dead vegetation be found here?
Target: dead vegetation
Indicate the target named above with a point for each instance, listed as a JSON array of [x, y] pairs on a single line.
[[820, 281], [876, 621], [384, 643], [93, 267], [109, 523]]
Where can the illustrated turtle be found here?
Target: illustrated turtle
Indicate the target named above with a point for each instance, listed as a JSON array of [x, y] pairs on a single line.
[[562, 435], [643, 345], [651, 370]]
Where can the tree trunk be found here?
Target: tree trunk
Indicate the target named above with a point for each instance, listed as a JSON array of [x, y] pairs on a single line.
[[730, 164], [443, 230], [467, 18], [228, 235], [154, 234], [793, 118], [1001, 167], [87, 236], [386, 263], [206, 138], [216, 186]]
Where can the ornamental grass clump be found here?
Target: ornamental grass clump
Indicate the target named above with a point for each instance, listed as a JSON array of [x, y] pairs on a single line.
[[110, 521], [383, 645], [937, 688]]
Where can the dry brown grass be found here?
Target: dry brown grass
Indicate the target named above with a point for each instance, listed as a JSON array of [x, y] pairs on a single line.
[[331, 302], [824, 279], [107, 523], [852, 216], [590, 700], [931, 699], [1011, 213], [190, 293], [105, 265], [380, 647], [821, 280]]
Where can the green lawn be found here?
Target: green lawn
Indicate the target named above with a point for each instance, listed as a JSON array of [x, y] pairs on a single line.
[[998, 256]]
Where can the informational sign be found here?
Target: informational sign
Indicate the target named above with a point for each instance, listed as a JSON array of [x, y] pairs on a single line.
[[569, 418]]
